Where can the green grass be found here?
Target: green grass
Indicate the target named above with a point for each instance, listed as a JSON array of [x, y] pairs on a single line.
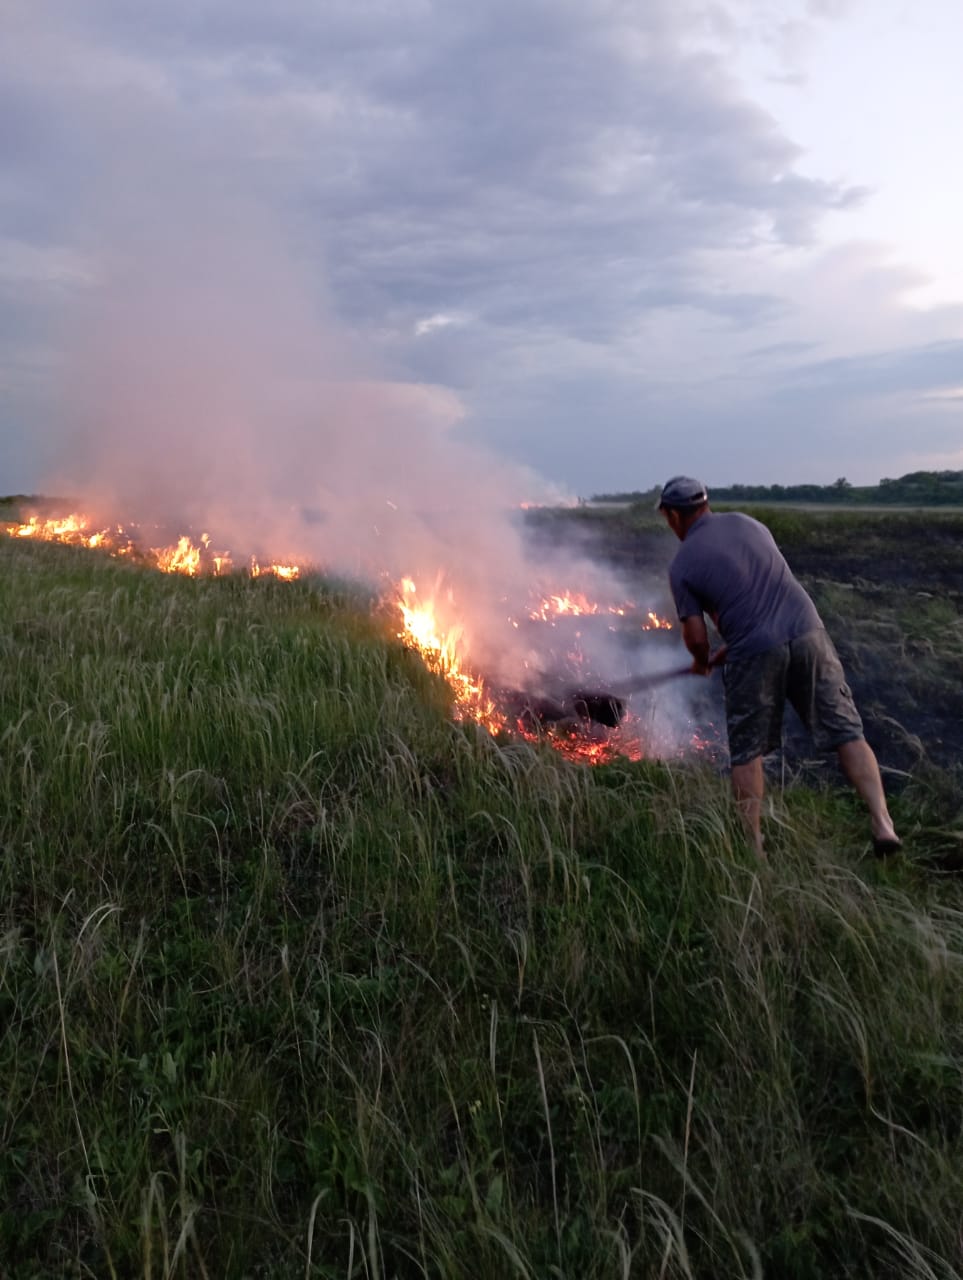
[[933, 536], [300, 978]]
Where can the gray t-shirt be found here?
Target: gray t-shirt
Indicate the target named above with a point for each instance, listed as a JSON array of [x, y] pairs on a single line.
[[730, 568]]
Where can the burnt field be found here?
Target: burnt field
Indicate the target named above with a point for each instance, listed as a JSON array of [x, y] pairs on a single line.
[[889, 587]]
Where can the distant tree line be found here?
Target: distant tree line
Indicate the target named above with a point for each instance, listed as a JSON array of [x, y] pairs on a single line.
[[918, 488]]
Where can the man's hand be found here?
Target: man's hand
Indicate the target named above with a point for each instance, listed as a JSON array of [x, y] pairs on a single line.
[[719, 657]]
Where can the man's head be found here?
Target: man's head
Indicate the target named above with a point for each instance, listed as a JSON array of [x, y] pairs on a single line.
[[682, 501]]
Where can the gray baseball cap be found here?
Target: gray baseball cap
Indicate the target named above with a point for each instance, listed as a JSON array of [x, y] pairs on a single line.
[[682, 492]]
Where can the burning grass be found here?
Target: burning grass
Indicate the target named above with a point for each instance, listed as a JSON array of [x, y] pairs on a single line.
[[576, 727], [180, 556], [428, 624], [300, 977]]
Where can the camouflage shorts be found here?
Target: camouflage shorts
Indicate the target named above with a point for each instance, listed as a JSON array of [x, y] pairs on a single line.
[[806, 672]]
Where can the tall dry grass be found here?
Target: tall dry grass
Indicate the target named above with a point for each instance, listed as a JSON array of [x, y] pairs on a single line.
[[299, 978]]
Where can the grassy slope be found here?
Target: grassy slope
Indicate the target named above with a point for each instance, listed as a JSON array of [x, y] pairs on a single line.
[[299, 978]]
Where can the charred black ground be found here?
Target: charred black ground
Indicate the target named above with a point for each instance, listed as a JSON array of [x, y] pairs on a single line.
[[889, 586]]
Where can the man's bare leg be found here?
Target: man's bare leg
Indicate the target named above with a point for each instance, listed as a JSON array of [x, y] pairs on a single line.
[[748, 785], [860, 767]]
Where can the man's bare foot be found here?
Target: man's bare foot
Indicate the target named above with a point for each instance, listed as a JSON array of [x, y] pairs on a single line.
[[883, 846]]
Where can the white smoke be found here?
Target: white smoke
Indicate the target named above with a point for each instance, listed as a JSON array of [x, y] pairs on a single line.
[[208, 385]]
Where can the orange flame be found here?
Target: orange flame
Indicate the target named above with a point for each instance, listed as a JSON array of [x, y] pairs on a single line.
[[442, 650], [571, 604], [72, 528], [575, 604], [442, 646], [586, 750], [286, 572], [183, 556]]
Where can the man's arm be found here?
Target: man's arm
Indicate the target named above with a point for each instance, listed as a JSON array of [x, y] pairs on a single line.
[[696, 640], [694, 633]]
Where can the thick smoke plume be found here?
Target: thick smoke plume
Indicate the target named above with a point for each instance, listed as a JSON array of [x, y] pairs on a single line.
[[209, 386]]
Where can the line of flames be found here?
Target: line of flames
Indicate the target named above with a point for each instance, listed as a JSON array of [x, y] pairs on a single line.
[[577, 605], [183, 556], [442, 649]]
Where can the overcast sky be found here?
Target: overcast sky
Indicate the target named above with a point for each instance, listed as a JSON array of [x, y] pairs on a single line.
[[608, 240]]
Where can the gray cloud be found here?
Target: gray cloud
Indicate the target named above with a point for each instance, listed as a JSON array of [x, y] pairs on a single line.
[[930, 367], [553, 172]]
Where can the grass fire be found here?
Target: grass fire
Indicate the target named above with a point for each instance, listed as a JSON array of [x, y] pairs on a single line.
[[591, 727], [305, 971], [181, 556]]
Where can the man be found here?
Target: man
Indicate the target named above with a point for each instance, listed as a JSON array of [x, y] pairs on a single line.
[[774, 647]]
